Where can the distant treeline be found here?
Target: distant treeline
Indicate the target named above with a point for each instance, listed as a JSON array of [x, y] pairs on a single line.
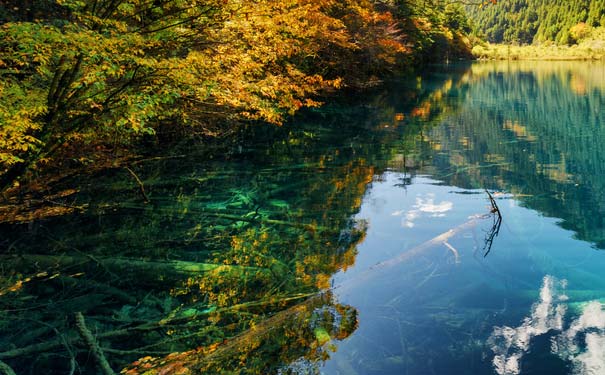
[[537, 21]]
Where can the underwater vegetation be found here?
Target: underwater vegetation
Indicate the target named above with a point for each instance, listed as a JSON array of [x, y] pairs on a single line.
[[213, 262]]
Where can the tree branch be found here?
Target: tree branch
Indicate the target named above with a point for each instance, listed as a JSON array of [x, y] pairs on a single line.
[[94, 348], [141, 186], [6, 369]]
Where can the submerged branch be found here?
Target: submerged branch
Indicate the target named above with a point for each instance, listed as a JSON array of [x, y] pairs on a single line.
[[139, 182], [308, 227], [93, 347], [151, 326], [175, 269], [453, 250], [58, 342], [6, 369], [244, 341]]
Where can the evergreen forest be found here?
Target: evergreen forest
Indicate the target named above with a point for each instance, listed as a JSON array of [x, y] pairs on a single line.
[[537, 21]]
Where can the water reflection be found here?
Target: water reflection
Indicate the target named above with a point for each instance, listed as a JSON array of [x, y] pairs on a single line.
[[532, 130], [510, 344], [382, 202], [587, 357], [224, 265], [528, 132], [425, 206], [579, 341]]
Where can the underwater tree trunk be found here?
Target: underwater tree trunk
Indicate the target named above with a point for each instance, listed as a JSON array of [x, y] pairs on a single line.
[[169, 270], [6, 369], [94, 348]]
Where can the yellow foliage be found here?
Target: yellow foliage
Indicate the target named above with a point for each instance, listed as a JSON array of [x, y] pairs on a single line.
[[580, 31], [250, 70], [18, 121], [121, 72]]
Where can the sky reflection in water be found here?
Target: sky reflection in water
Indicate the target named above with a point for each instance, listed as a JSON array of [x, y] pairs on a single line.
[[535, 304], [449, 309]]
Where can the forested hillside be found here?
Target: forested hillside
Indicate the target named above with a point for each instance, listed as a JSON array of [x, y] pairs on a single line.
[[82, 79], [537, 148], [537, 21]]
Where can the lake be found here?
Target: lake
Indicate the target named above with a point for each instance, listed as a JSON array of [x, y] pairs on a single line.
[[453, 223]]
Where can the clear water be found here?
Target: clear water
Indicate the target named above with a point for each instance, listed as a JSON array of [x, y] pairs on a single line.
[[377, 201], [533, 304]]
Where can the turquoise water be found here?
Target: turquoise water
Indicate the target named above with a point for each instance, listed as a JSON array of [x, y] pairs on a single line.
[[534, 303], [358, 239]]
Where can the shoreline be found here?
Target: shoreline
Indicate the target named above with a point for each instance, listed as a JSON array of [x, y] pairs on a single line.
[[588, 51]]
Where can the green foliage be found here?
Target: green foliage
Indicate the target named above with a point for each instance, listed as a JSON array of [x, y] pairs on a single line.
[[438, 29], [536, 21], [455, 18], [82, 73]]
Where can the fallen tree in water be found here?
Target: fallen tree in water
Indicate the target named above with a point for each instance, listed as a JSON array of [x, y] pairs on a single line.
[[439, 240], [294, 321], [225, 355]]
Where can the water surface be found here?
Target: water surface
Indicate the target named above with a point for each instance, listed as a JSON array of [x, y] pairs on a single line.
[[358, 239], [532, 303]]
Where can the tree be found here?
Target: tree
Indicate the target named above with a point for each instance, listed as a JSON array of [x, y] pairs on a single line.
[[110, 70], [101, 68], [82, 73], [579, 31], [527, 21]]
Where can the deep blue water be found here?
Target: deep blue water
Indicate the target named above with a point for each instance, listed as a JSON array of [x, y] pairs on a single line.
[[534, 134]]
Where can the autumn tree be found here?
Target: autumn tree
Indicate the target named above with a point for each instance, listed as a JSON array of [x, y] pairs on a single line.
[[77, 73], [100, 68], [116, 69]]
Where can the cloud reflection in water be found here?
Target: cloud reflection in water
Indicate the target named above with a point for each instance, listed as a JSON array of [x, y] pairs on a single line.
[[582, 343], [424, 205]]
